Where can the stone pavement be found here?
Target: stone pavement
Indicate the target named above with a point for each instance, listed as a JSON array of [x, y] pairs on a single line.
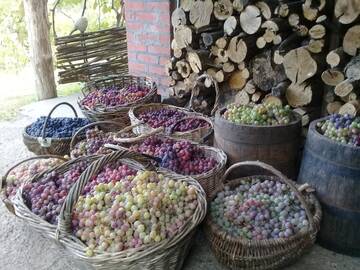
[[23, 249]]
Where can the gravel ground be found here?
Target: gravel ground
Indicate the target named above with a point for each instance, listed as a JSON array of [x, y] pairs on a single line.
[[22, 248]]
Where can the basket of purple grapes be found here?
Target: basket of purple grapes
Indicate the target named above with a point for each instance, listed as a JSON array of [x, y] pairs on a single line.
[[339, 128], [123, 214], [259, 219], [177, 122], [52, 135], [110, 98], [39, 200], [22, 172]]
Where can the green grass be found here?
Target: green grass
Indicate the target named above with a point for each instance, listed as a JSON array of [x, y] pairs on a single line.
[[10, 107]]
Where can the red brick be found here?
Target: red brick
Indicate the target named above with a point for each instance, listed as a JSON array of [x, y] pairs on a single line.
[[165, 38], [146, 17], [152, 59], [165, 19], [130, 26], [160, 7], [160, 70], [136, 67], [165, 81], [131, 56], [164, 60], [130, 16], [129, 4], [135, 47], [159, 50]]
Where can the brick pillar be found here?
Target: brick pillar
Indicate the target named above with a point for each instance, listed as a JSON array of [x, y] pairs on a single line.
[[149, 37]]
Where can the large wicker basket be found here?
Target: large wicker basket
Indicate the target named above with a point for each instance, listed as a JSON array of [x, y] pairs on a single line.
[[48, 146], [168, 254], [22, 211], [240, 253], [117, 113], [3, 181], [210, 181], [200, 134]]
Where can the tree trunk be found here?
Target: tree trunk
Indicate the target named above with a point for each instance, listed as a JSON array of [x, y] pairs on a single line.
[[40, 49]]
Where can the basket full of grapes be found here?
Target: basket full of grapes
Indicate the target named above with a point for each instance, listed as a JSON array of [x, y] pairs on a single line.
[[110, 98], [124, 214], [176, 122], [22, 172], [52, 135], [259, 219], [38, 201]]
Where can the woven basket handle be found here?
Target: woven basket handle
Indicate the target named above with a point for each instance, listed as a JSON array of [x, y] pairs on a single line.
[[137, 138], [50, 113], [171, 130], [64, 224], [217, 91], [281, 177], [78, 132]]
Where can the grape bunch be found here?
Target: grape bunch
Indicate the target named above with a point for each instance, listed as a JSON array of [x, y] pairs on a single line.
[[114, 96], [46, 196], [259, 114], [25, 171], [341, 128], [166, 117], [258, 210], [59, 127], [123, 209], [181, 157]]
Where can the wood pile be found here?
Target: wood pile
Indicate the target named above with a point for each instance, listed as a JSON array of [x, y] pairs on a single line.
[[264, 51]]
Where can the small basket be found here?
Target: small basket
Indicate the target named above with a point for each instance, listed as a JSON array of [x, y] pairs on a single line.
[[7, 202], [22, 211], [196, 135], [210, 181], [240, 253], [117, 113], [168, 254], [48, 146]]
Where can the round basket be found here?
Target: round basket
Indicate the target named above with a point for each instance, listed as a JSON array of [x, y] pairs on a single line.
[[240, 253], [210, 181], [22, 211], [117, 113], [168, 254], [48, 146], [196, 135], [3, 181]]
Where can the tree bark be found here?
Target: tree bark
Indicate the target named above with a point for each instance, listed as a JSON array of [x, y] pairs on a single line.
[[40, 49]]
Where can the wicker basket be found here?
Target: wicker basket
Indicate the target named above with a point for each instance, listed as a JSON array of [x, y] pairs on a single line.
[[197, 135], [7, 202], [239, 253], [210, 181], [168, 254], [117, 113], [48, 146], [22, 211]]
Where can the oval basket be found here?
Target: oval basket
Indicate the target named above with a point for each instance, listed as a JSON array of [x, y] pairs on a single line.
[[48, 146], [8, 202], [196, 135], [240, 253], [210, 181], [22, 211], [117, 113], [168, 254]]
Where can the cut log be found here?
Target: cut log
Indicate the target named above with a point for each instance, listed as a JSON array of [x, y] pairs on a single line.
[[352, 69], [270, 99], [351, 42], [332, 77], [344, 88], [334, 107], [351, 107], [178, 53], [250, 19], [178, 17], [180, 89], [230, 25], [200, 13], [237, 81], [346, 11], [210, 38], [219, 76], [186, 4], [221, 43], [183, 68], [321, 18], [211, 72], [266, 8], [299, 65], [256, 96], [250, 87], [222, 56], [169, 67], [261, 42], [318, 31], [280, 89], [183, 36], [278, 58], [316, 46], [336, 57], [305, 119], [269, 36], [242, 98], [294, 19], [310, 12], [197, 59], [228, 67], [239, 5], [350, 97], [298, 95], [176, 75], [223, 9], [237, 50], [283, 10]]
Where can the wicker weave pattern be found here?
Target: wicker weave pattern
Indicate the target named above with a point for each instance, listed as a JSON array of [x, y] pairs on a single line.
[[195, 135], [167, 254], [117, 113], [240, 253]]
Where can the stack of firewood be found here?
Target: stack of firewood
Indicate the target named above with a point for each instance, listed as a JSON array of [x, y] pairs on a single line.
[[343, 75], [262, 51]]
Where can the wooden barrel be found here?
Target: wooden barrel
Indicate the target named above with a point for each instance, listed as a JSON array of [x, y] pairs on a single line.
[[333, 169], [276, 145]]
